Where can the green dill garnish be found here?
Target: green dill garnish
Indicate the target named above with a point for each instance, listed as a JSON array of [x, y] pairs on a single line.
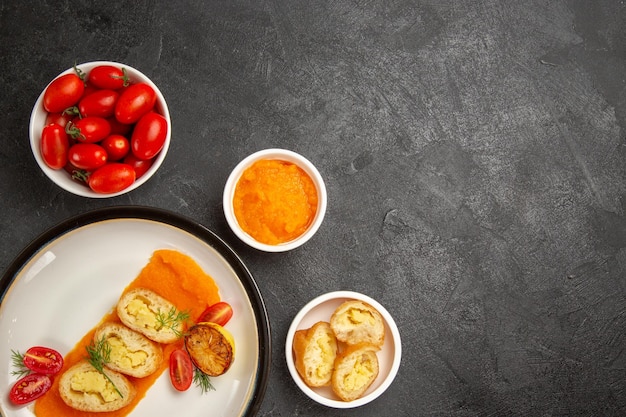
[[202, 380], [172, 320], [99, 356], [17, 359]]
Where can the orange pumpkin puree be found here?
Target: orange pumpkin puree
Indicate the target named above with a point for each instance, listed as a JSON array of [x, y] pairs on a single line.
[[175, 277], [275, 201]]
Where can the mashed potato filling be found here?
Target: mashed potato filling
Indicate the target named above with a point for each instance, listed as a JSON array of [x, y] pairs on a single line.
[[94, 382], [124, 356]]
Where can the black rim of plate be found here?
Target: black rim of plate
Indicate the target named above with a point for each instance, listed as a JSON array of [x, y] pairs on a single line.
[[183, 223]]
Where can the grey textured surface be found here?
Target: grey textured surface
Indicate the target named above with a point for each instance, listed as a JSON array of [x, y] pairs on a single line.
[[473, 154]]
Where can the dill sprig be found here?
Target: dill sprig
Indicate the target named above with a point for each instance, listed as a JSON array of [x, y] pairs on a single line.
[[17, 359], [202, 380], [172, 320], [99, 356]]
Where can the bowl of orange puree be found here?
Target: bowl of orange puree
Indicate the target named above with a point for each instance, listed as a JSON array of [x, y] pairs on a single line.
[[275, 200]]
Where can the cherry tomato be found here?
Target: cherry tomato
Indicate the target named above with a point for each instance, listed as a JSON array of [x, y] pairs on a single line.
[[81, 176], [108, 77], [181, 369], [117, 147], [54, 146], [219, 313], [149, 136], [89, 129], [88, 156], [63, 92], [29, 388], [134, 102], [43, 360], [60, 119], [141, 166], [111, 178], [89, 89], [100, 103], [118, 128]]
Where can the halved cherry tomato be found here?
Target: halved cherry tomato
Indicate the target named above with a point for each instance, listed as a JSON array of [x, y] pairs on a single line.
[[100, 103], [141, 166], [111, 178], [43, 360], [88, 156], [219, 313], [134, 102], [149, 136], [89, 129], [29, 388], [108, 77], [63, 92], [181, 369], [117, 147], [54, 146]]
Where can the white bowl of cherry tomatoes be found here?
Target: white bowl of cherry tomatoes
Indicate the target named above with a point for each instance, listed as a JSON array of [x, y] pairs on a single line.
[[100, 129]]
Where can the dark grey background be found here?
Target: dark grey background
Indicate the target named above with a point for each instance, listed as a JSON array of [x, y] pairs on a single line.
[[473, 153]]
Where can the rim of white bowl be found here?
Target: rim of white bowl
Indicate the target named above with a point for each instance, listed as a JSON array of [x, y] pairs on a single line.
[[60, 177], [282, 155], [395, 365]]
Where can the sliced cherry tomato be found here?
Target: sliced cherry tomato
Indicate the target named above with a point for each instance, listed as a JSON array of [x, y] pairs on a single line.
[[149, 136], [29, 388], [54, 146], [181, 369], [100, 103], [108, 77], [134, 102], [111, 178], [89, 129], [88, 156], [219, 313], [63, 92], [117, 147], [43, 360], [141, 166]]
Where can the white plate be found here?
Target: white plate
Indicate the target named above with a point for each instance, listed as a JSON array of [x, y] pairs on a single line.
[[70, 277]]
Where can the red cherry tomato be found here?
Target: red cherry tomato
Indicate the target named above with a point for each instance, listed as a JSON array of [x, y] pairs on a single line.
[[111, 178], [118, 128], [141, 166], [89, 129], [29, 388], [117, 147], [181, 369], [149, 136], [43, 360], [100, 103], [219, 313], [63, 92], [89, 89], [134, 102], [108, 77], [54, 146], [61, 119], [88, 156]]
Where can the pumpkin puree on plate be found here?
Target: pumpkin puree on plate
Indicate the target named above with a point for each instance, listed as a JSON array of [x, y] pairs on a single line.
[[275, 201], [175, 277]]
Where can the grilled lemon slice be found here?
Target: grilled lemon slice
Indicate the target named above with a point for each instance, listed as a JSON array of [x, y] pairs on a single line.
[[211, 347]]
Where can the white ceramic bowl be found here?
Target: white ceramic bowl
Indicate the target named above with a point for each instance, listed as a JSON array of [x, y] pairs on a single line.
[[320, 309], [61, 177], [282, 155]]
